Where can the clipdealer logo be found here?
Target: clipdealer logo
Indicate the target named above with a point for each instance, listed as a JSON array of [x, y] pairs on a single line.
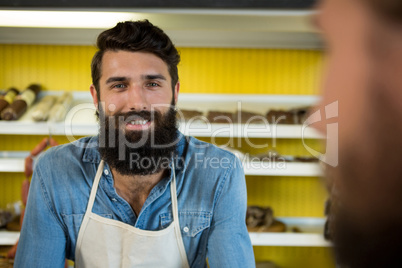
[[80, 111], [232, 130], [331, 155]]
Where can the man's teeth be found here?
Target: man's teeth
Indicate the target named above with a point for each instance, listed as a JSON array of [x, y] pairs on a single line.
[[139, 122]]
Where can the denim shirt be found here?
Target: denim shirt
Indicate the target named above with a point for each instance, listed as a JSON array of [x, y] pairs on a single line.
[[211, 194]]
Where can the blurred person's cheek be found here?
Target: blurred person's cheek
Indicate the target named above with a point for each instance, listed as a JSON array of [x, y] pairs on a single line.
[[347, 73], [347, 78]]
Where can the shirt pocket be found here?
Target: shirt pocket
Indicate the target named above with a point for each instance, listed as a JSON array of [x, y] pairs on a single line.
[[191, 222]]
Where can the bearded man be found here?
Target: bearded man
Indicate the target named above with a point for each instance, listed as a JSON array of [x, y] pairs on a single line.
[[140, 193]]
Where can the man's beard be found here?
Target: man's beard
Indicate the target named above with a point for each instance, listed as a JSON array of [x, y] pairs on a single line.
[[141, 152], [367, 213]]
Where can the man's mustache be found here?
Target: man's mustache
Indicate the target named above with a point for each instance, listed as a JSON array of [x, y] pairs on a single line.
[[136, 115]]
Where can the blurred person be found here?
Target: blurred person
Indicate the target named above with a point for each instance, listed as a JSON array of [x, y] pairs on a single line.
[[363, 75], [140, 194]]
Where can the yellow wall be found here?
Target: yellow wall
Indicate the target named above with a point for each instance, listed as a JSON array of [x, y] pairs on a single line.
[[202, 70]]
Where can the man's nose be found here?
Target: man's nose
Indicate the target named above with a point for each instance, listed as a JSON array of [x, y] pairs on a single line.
[[137, 100]]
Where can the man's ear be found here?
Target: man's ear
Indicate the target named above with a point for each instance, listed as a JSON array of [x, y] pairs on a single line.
[[176, 92], [94, 96]]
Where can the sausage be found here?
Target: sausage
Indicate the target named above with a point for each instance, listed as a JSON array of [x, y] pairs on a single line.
[[59, 110], [41, 111], [8, 98], [28, 170], [21, 103], [40, 147]]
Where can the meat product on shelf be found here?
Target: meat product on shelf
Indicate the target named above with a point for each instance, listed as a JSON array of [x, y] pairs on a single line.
[[220, 117], [8, 98], [261, 219], [41, 111], [21, 103], [59, 110], [301, 114], [280, 117], [189, 115], [245, 117]]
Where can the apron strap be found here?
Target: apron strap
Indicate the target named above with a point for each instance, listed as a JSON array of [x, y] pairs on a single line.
[[95, 187], [176, 222], [173, 194]]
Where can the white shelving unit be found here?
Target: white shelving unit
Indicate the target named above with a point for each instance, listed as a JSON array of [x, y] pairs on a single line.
[[8, 238], [78, 128], [11, 161], [311, 234], [288, 240], [282, 169]]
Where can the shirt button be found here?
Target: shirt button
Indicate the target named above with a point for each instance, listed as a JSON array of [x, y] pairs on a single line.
[[114, 199], [106, 172], [185, 229]]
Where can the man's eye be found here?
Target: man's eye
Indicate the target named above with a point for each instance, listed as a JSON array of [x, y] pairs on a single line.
[[152, 84], [119, 86]]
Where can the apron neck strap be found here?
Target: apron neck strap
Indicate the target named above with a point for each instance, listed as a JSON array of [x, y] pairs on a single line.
[[173, 194], [95, 187]]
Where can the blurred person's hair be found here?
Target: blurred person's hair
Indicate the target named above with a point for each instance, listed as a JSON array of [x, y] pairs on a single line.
[[135, 36], [388, 9]]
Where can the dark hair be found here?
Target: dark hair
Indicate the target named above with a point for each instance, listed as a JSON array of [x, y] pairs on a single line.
[[135, 36], [389, 9]]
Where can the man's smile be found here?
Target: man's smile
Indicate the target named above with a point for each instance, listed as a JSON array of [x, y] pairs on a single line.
[[138, 124]]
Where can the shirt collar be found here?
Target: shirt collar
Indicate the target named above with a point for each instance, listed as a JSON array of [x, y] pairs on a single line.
[[91, 153]]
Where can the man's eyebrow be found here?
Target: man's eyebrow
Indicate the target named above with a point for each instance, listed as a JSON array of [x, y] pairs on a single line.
[[153, 77], [116, 79]]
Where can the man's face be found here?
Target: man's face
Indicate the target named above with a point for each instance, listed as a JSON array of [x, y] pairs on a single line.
[[137, 117], [134, 81], [366, 184]]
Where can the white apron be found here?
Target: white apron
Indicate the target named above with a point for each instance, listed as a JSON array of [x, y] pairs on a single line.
[[104, 242]]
